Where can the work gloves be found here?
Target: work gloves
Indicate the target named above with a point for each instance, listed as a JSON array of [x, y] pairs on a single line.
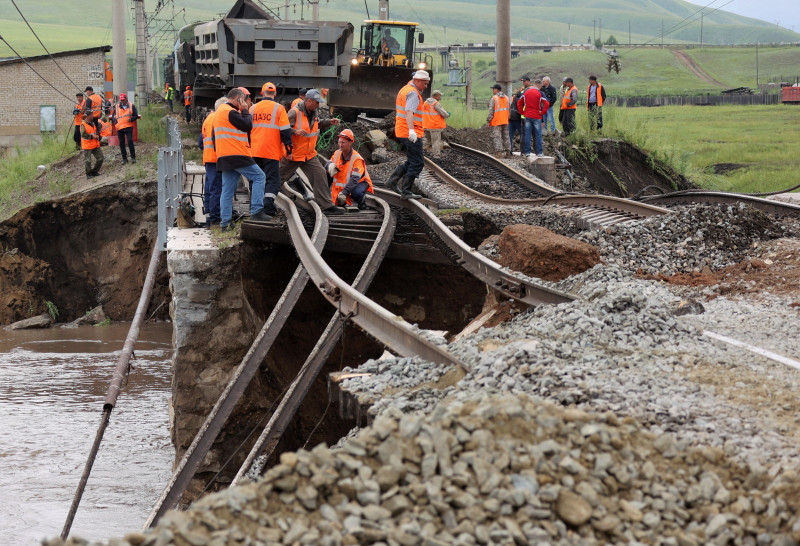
[[341, 199], [412, 137], [332, 169]]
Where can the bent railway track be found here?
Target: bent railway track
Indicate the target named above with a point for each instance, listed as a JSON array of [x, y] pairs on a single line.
[[593, 211]]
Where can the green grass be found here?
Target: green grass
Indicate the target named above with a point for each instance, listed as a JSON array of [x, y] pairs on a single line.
[[151, 128], [736, 67], [16, 172], [763, 139]]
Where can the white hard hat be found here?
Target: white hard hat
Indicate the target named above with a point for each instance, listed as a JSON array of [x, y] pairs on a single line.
[[421, 75]]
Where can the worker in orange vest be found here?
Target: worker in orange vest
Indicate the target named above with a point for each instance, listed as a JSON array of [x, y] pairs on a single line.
[[433, 121], [232, 125], [270, 140], [409, 131], [347, 168], [498, 121], [90, 143], [212, 189], [301, 97], [124, 115], [569, 103], [595, 95], [306, 126], [93, 103], [78, 119], [187, 102]]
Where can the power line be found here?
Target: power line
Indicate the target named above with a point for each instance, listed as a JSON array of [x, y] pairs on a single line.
[[40, 42], [70, 99]]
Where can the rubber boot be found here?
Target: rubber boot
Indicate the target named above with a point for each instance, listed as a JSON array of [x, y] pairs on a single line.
[[296, 184], [394, 180], [408, 185]]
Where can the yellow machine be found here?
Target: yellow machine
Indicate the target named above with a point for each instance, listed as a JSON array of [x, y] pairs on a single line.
[[382, 64]]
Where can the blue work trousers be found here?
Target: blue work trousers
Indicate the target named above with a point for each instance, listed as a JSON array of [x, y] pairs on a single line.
[[532, 126], [211, 192], [414, 161], [230, 179], [549, 121]]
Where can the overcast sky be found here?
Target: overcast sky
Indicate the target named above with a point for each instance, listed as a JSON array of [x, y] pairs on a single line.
[[784, 12]]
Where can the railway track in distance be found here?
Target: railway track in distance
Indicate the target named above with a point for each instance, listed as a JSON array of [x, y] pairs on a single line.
[[778, 208], [592, 211]]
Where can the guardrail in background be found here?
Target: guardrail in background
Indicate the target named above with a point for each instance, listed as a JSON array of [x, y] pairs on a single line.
[[170, 181]]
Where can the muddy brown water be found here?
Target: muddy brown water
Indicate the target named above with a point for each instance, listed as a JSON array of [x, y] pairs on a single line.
[[52, 387]]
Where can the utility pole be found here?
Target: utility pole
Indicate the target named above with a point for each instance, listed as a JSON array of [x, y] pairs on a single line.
[[141, 53], [286, 11], [314, 10], [701, 29], [662, 33], [469, 85], [569, 33], [383, 10], [502, 47], [600, 26], [594, 30], [756, 65], [118, 57], [629, 32]]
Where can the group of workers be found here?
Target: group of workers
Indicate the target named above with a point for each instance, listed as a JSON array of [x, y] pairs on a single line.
[[187, 97], [530, 111], [266, 143], [95, 119]]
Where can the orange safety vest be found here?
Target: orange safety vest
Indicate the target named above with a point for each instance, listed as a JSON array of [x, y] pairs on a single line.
[[105, 128], [124, 120], [431, 119], [79, 116], [295, 101], [305, 147], [401, 129], [187, 98], [89, 143], [500, 116], [95, 102], [356, 163], [228, 140], [565, 100], [269, 119], [209, 153], [599, 95]]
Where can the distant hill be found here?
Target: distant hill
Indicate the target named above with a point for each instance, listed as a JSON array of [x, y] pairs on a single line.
[[68, 25]]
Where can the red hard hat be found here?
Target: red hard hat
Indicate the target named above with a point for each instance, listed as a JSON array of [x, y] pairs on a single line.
[[123, 96], [188, 87], [348, 134]]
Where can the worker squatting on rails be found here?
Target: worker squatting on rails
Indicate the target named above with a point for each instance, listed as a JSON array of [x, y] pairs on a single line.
[[232, 123], [433, 121], [347, 168], [408, 129], [306, 126]]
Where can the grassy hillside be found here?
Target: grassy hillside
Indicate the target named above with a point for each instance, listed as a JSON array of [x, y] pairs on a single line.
[[64, 25]]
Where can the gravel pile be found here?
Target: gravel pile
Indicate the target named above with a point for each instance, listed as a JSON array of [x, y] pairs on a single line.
[[499, 469]]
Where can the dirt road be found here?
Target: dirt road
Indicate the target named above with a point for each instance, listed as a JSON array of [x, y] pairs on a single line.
[[699, 72]]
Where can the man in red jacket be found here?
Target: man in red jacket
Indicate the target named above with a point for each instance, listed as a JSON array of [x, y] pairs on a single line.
[[533, 106]]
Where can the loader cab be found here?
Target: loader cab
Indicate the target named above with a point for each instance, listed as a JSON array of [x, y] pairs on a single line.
[[387, 43]]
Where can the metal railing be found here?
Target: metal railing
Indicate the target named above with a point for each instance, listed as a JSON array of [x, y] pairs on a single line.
[[170, 181]]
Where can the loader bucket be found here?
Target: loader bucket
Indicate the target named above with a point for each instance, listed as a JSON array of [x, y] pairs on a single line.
[[372, 88]]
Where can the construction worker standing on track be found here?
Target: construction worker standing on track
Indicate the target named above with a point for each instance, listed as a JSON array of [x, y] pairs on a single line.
[[169, 97], [433, 121], [124, 115], [78, 113], [232, 123], [498, 121], [351, 181], [409, 131], [305, 131], [213, 186], [270, 139], [187, 102], [90, 143]]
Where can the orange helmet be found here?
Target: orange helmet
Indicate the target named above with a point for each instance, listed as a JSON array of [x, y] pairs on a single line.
[[269, 86], [188, 87], [348, 134]]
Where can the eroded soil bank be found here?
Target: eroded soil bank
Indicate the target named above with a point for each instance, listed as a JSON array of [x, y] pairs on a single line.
[[81, 251]]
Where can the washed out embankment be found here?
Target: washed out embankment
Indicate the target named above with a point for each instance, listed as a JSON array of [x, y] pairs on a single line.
[[81, 251]]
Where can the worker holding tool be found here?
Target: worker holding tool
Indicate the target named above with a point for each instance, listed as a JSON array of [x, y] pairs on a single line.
[[347, 168]]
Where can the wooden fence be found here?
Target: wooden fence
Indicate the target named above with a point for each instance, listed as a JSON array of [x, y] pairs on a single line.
[[699, 100]]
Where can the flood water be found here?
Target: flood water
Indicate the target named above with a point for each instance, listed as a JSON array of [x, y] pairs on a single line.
[[52, 387]]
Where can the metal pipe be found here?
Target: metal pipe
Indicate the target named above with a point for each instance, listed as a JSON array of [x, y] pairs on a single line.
[[121, 370]]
